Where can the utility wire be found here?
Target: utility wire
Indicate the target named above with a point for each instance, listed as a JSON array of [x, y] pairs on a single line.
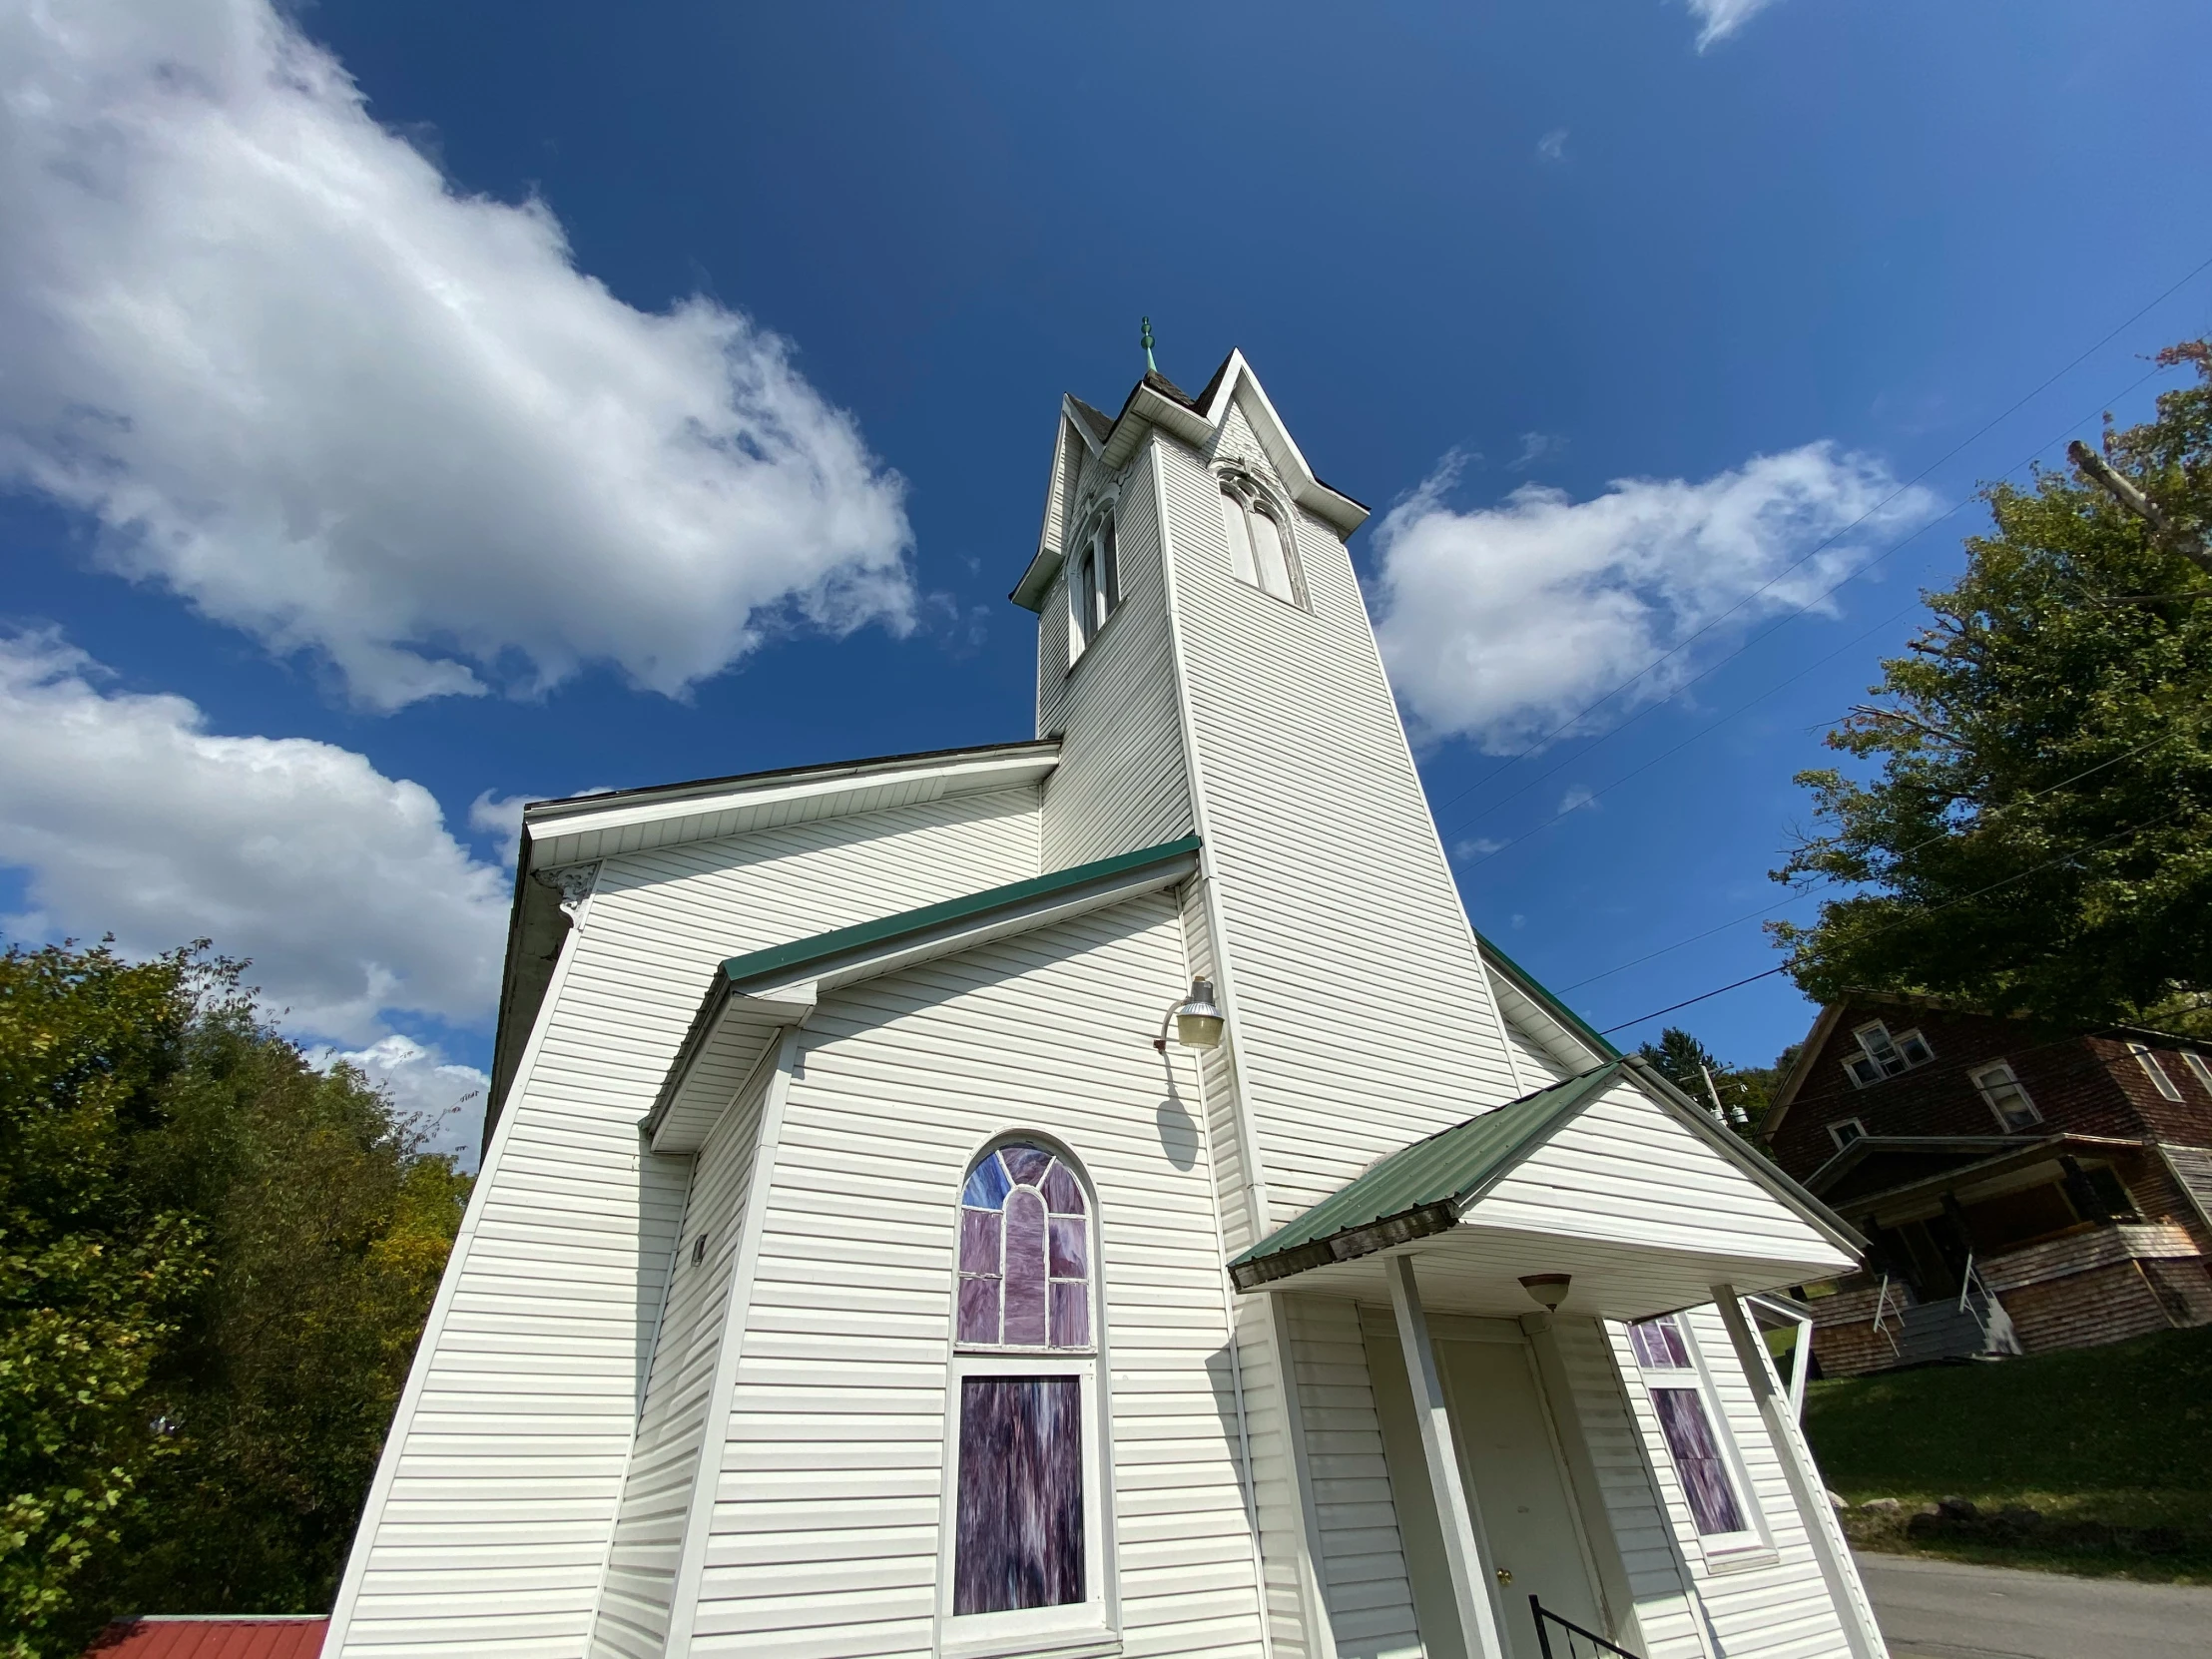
[[1901, 921], [1823, 545]]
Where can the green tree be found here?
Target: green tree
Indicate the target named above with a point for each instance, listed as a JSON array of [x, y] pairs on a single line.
[[1744, 1092], [285, 1234], [2037, 838]]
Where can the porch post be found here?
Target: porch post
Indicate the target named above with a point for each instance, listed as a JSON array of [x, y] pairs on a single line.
[[1853, 1609], [1470, 1593]]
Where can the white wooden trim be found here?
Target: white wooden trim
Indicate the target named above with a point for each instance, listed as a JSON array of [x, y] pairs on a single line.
[[1472, 1601], [691, 1565], [1321, 1634], [433, 1327], [1849, 1596]]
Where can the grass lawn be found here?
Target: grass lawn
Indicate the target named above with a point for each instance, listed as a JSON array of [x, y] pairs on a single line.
[[2108, 1444]]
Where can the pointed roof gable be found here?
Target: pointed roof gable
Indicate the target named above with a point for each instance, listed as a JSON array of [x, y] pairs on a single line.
[[1156, 401], [1580, 1160], [753, 996]]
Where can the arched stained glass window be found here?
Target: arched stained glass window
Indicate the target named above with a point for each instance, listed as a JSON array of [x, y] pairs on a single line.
[[1026, 1253]]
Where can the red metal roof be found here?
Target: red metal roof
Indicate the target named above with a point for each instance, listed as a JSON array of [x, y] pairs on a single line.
[[212, 1637]]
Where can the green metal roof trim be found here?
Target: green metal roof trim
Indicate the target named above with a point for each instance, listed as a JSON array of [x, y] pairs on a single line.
[[784, 962], [1418, 1191], [1535, 990]]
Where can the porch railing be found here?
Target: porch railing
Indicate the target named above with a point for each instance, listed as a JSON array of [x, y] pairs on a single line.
[[1880, 1307], [1976, 1298], [1570, 1634]]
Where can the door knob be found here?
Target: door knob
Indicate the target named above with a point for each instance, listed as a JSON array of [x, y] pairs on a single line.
[[1506, 1575]]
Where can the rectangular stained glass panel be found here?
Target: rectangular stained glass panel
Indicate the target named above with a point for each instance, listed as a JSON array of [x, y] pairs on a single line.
[[1025, 1268], [978, 1320], [1071, 1314], [979, 1241], [1071, 1248], [1019, 1522], [1704, 1477]]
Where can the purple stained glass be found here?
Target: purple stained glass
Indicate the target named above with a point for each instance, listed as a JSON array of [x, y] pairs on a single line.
[[1070, 1248], [1019, 1525], [1062, 1196], [1025, 1268], [1658, 1344], [1026, 1164], [1690, 1437], [1071, 1314], [978, 1320], [979, 1241]]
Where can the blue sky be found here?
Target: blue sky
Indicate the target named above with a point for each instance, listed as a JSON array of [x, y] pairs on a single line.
[[363, 473]]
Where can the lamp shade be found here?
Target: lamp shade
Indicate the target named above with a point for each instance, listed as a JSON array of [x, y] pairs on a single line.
[[1549, 1288], [1198, 1021]]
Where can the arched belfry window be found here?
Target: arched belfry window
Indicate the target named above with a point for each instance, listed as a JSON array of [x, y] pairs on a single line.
[[1259, 545], [1027, 1525], [1094, 579], [1026, 1253]]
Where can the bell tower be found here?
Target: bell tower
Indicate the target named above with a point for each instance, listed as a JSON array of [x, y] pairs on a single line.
[[1205, 654]]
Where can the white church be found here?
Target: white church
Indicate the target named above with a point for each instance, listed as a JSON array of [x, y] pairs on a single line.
[[1095, 1195]]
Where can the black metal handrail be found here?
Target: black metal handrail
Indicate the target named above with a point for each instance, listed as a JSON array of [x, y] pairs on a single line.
[[1598, 1645]]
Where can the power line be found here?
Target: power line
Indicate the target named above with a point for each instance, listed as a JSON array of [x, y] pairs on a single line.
[[1830, 540], [1901, 921]]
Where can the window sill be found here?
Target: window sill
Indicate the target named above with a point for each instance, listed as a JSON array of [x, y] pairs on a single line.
[[1748, 1558], [1074, 1644]]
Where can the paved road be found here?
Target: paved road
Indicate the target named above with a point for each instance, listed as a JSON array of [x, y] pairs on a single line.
[[1945, 1610]]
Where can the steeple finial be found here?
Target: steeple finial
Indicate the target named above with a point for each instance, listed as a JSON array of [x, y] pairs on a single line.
[[1145, 339]]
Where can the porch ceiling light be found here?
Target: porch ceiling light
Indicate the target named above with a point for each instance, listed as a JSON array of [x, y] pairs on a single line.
[[1198, 1021], [1550, 1288]]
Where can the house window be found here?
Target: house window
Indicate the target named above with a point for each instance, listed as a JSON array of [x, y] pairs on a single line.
[[2201, 1066], [1681, 1396], [1259, 548], [1844, 1131], [1882, 1055], [1094, 583], [2006, 1097], [1027, 1520], [2154, 1071]]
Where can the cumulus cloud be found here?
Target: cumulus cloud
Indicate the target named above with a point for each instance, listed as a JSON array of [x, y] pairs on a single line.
[[307, 382], [444, 1100], [1718, 19], [1502, 623], [343, 886], [1578, 796]]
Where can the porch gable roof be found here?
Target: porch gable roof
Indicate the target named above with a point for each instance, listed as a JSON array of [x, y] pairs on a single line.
[[1421, 1188]]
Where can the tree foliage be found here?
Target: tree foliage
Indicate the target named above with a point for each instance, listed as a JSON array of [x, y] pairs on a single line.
[[1744, 1092], [214, 1260], [2037, 838]]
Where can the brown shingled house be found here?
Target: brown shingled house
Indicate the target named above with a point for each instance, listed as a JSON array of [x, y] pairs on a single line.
[[2025, 1188]]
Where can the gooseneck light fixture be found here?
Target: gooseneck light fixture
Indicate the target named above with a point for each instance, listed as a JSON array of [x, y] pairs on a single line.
[[1197, 1020]]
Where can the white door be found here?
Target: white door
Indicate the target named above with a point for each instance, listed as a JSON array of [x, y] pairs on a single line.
[[1511, 1467]]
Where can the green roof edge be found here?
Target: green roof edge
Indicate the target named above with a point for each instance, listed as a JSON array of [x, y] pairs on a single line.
[[1535, 988], [786, 961], [1571, 1092]]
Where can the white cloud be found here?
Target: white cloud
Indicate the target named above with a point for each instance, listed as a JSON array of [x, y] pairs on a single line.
[[446, 1100], [1534, 448], [1502, 623], [340, 883], [1553, 147], [1578, 796], [1718, 19], [1478, 847], [300, 378]]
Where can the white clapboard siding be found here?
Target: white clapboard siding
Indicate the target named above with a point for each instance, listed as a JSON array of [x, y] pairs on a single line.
[[1625, 1170], [1369, 1593], [525, 1398], [1651, 1558], [826, 1532], [1121, 782], [663, 1465], [1363, 1018], [1772, 1604]]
